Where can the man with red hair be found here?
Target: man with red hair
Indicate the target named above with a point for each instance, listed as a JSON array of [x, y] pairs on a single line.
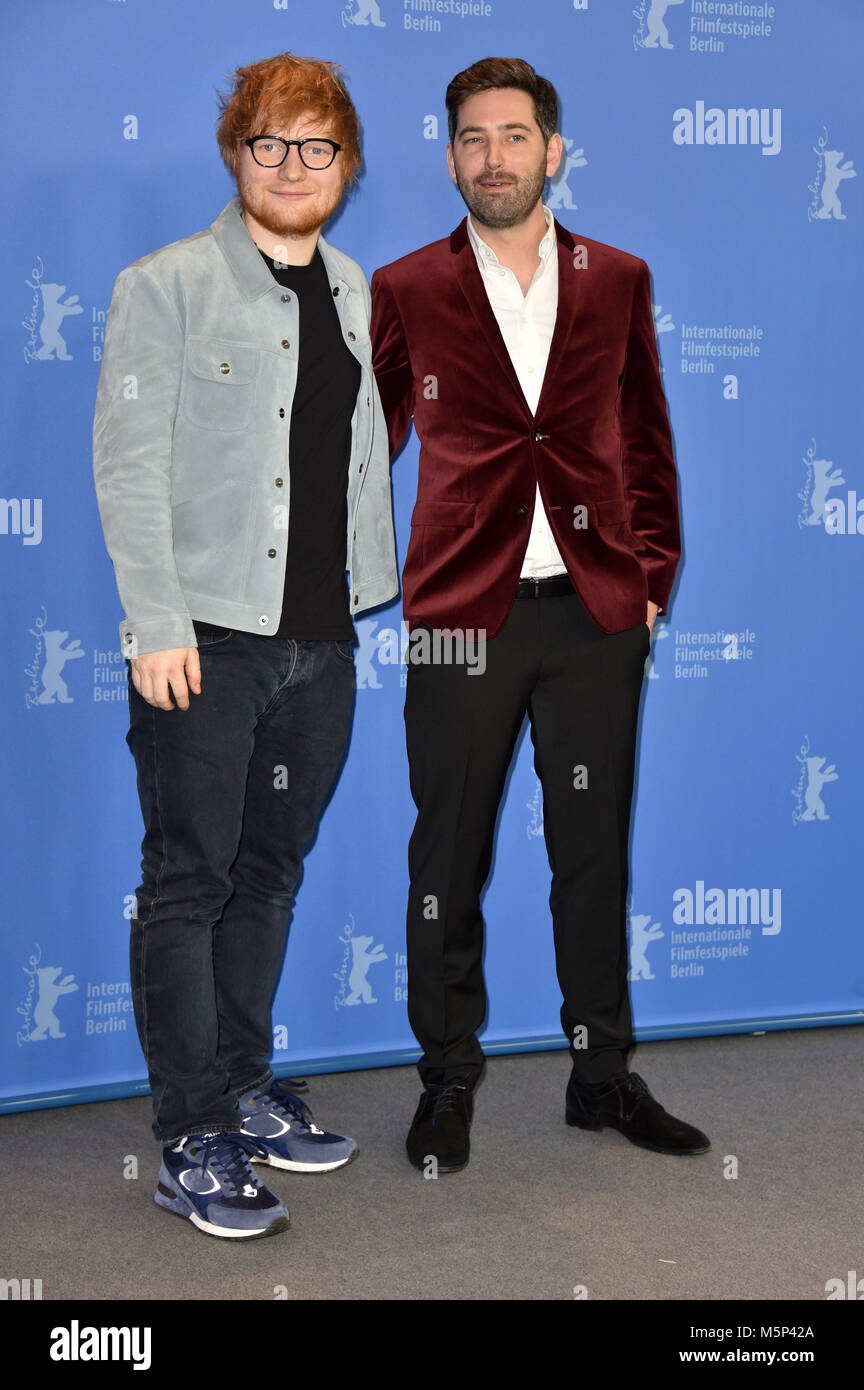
[[241, 467]]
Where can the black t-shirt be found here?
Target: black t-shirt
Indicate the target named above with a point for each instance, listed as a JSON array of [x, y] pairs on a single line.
[[315, 605]]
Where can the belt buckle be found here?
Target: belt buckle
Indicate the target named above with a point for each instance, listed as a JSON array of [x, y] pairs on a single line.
[[536, 582]]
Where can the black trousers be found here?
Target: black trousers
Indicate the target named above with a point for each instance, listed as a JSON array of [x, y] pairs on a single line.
[[580, 688]]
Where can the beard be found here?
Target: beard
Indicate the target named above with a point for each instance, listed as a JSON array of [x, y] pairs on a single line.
[[288, 221], [504, 209]]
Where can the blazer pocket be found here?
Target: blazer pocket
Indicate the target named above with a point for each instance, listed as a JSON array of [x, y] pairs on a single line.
[[443, 514], [220, 383], [611, 512]]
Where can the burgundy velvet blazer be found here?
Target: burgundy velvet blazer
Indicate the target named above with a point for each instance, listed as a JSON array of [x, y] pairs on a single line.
[[599, 444]]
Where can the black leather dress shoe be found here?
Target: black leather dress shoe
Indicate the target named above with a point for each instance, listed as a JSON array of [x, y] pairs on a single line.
[[625, 1103], [440, 1128]]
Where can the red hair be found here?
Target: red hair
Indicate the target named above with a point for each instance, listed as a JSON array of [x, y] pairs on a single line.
[[271, 95]]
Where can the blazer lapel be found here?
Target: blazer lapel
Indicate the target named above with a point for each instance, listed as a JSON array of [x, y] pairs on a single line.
[[569, 284], [471, 283]]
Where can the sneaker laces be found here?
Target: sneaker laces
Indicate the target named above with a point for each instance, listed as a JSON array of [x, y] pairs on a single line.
[[291, 1107], [227, 1156]]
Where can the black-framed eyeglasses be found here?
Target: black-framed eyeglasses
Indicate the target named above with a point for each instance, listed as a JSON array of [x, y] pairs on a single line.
[[271, 150]]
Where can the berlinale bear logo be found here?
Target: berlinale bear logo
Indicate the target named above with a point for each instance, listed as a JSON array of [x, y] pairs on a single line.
[[358, 984], [50, 990], [54, 311], [644, 931]]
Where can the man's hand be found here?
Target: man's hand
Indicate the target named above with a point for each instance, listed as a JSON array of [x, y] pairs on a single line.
[[653, 610], [157, 675]]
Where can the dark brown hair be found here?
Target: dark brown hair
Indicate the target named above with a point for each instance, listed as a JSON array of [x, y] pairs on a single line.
[[492, 73], [271, 95]]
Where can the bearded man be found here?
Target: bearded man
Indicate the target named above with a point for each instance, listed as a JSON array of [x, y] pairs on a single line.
[[546, 523], [241, 468]]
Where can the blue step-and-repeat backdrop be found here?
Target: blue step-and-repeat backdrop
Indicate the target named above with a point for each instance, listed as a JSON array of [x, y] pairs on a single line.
[[716, 140]]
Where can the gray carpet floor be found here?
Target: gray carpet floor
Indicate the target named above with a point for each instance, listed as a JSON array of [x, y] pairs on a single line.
[[540, 1210]]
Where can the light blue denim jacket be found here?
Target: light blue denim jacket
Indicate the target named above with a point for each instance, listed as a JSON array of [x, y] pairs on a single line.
[[191, 433]]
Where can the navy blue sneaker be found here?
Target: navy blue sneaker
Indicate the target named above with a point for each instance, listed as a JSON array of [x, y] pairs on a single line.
[[283, 1126], [208, 1178]]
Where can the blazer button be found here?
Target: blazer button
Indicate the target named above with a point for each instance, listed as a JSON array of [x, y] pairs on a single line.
[[285, 343], [285, 298], [522, 509], [263, 620], [537, 436], [272, 554], [351, 336], [278, 482], [281, 413], [335, 291], [224, 368]]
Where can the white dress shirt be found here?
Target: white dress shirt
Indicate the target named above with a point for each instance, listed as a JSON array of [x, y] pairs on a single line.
[[527, 323]]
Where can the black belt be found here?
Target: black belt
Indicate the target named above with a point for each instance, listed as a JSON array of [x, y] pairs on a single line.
[[553, 587]]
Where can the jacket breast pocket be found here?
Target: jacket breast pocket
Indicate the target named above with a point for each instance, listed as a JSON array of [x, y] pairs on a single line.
[[356, 330], [220, 384]]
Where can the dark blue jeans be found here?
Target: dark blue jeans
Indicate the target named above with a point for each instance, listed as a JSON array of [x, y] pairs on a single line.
[[231, 792]]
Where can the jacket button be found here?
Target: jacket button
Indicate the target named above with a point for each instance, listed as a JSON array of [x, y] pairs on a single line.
[[285, 343], [522, 509], [263, 620], [272, 554], [278, 482], [537, 436], [281, 413], [335, 291], [351, 336], [285, 298], [224, 368], [356, 600]]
